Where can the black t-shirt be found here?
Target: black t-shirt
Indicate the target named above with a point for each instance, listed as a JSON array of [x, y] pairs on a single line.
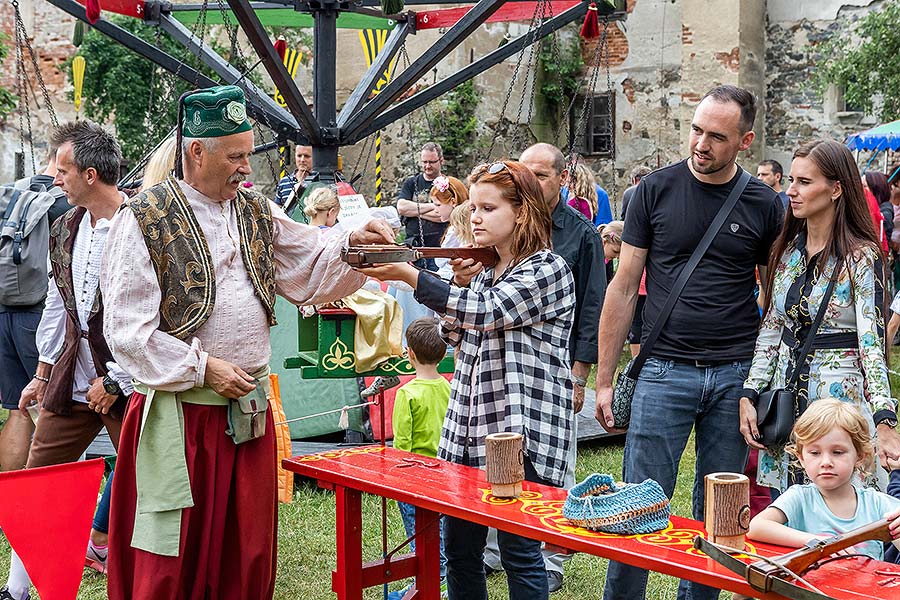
[[418, 189], [716, 317]]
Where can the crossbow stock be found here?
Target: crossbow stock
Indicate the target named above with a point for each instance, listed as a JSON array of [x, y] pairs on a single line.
[[368, 256], [775, 574]]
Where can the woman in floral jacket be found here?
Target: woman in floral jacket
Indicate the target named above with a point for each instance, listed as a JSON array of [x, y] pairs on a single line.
[[827, 234]]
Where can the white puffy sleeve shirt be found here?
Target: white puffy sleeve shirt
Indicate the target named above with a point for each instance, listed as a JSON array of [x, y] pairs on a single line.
[[308, 270]]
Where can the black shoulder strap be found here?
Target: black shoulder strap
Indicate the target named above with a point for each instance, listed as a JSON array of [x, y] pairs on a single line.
[[688, 270], [811, 336]]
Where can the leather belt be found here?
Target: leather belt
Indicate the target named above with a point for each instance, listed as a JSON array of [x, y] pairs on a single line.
[[824, 341]]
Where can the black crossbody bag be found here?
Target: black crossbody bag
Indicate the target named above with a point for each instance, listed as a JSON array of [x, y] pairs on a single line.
[[777, 409], [623, 392]]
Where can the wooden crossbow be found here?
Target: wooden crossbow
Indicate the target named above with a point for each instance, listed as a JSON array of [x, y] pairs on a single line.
[[775, 574], [367, 256]]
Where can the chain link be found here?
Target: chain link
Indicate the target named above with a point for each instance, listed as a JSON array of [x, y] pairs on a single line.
[[581, 125], [22, 88], [512, 83], [609, 115], [241, 64]]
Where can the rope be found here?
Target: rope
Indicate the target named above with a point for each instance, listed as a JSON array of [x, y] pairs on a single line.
[[328, 412]]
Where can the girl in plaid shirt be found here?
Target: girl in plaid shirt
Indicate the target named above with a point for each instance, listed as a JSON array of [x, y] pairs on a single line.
[[510, 327]]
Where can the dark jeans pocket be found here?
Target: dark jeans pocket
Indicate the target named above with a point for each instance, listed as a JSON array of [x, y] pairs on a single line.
[[656, 369]]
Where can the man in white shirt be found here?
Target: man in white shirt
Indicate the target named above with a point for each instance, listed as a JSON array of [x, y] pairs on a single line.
[[78, 387], [190, 277]]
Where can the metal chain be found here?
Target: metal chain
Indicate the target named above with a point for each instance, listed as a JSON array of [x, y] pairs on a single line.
[[22, 89], [513, 79], [556, 53], [201, 26], [581, 125], [241, 64], [609, 116], [34, 63], [532, 73], [366, 142], [370, 152], [151, 125]]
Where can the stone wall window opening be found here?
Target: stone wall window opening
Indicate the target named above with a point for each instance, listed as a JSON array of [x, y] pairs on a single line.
[[596, 137]]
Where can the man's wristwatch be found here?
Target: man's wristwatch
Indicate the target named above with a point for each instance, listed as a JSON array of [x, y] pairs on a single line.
[[579, 381], [111, 386]]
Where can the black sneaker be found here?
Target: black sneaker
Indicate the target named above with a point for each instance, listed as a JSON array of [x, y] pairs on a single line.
[[5, 594]]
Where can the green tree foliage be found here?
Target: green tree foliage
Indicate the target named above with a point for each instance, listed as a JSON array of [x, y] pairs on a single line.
[[869, 70], [7, 99], [560, 70], [453, 125]]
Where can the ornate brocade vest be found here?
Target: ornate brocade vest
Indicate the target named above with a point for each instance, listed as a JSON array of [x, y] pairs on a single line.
[[181, 257], [58, 395]]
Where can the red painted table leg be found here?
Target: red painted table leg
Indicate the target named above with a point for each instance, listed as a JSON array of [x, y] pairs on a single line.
[[346, 580], [428, 553]]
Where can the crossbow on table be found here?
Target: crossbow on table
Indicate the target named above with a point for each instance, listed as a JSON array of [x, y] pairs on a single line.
[[774, 574], [368, 256]]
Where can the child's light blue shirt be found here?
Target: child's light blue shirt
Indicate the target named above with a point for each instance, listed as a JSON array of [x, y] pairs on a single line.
[[806, 510]]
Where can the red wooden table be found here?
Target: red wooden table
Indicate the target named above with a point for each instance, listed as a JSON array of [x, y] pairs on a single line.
[[436, 487]]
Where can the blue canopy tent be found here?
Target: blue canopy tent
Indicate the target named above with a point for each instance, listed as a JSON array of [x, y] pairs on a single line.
[[878, 139]]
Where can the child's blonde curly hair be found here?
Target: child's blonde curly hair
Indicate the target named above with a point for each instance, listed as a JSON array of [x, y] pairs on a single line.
[[823, 416]]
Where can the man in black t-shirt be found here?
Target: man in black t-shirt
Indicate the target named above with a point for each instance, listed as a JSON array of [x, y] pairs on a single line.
[[696, 369], [415, 206]]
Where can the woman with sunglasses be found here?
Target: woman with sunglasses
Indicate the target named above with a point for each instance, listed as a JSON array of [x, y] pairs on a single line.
[[510, 327]]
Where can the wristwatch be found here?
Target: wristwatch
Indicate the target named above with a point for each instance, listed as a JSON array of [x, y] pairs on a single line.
[[111, 386], [579, 381]]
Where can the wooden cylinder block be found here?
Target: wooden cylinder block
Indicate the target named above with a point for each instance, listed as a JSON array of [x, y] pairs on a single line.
[[727, 509], [505, 464]]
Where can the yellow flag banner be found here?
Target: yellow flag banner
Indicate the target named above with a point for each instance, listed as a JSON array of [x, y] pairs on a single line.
[[372, 41], [291, 62]]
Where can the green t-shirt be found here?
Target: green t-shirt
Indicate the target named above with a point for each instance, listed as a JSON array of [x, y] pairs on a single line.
[[419, 410]]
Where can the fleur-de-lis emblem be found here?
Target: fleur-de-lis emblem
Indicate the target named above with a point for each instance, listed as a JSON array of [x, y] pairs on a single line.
[[338, 357]]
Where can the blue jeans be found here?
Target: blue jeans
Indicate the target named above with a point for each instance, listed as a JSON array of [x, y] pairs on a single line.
[[101, 516], [521, 558], [408, 513], [670, 399]]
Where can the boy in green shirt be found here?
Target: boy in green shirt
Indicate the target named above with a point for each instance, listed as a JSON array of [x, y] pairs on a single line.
[[419, 410]]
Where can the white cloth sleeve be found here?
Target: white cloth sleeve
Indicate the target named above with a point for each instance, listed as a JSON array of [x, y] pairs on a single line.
[[131, 321], [51, 332]]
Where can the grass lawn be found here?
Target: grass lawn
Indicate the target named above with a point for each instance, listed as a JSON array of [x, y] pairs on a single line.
[[306, 548]]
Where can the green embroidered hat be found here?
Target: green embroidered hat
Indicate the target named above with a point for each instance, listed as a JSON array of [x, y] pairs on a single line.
[[215, 112]]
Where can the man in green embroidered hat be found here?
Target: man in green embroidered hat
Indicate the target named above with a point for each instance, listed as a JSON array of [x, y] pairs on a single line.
[[190, 273]]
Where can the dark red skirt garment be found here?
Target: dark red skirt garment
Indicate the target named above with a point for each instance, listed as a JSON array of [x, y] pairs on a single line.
[[228, 538]]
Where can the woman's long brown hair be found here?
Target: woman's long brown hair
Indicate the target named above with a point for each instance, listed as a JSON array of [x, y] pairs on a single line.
[[520, 187], [853, 228]]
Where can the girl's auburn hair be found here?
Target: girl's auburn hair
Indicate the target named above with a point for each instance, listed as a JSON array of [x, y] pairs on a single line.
[[520, 187]]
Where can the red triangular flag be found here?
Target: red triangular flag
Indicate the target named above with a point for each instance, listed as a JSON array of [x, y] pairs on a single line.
[[590, 29], [281, 46], [92, 10], [46, 515]]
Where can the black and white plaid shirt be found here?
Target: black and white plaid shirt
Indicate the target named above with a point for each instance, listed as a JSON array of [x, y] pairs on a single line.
[[512, 366]]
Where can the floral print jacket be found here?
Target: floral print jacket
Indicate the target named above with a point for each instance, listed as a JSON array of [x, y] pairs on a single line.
[[855, 374]]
